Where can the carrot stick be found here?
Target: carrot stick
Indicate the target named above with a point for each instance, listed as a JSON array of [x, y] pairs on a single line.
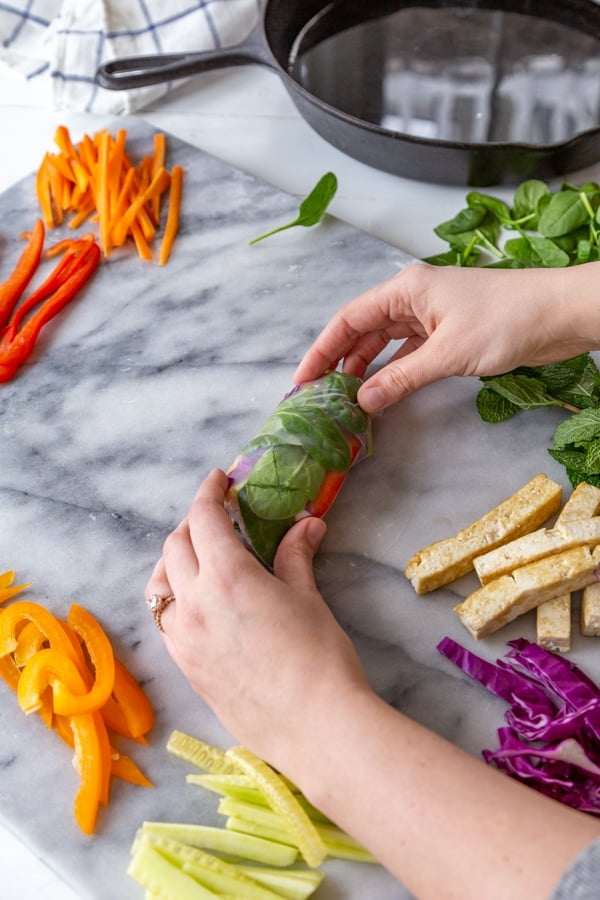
[[42, 188], [172, 224], [102, 198], [158, 162], [158, 184]]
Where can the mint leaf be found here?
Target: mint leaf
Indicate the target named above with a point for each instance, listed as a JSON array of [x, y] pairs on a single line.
[[494, 408], [584, 426], [521, 390]]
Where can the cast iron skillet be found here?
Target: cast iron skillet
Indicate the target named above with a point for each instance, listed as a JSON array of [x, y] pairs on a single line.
[[453, 73]]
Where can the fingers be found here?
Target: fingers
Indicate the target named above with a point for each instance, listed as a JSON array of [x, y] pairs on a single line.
[[293, 561], [363, 327], [210, 526], [407, 372]]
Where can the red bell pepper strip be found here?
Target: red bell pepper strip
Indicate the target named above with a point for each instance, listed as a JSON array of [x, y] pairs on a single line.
[[16, 347], [332, 484], [13, 287]]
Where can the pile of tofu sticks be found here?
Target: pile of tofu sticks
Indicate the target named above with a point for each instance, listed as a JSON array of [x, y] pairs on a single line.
[[523, 566]]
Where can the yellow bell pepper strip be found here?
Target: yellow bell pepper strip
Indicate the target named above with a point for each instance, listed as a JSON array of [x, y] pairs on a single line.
[[100, 654], [7, 588], [22, 611], [129, 711], [17, 347], [13, 287]]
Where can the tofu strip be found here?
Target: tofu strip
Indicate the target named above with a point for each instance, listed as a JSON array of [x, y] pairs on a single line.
[[500, 601], [554, 618], [449, 559]]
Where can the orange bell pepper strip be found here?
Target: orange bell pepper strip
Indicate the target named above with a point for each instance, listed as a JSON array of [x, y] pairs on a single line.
[[48, 668], [92, 762], [13, 287], [7, 588], [68, 702], [121, 766], [17, 347], [128, 711], [22, 611], [31, 639]]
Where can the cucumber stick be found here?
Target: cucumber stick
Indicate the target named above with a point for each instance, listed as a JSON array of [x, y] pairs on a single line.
[[222, 841], [161, 878], [281, 799], [240, 788], [199, 754], [293, 884]]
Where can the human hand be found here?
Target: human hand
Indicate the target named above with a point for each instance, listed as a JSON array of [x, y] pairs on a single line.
[[264, 651], [456, 321]]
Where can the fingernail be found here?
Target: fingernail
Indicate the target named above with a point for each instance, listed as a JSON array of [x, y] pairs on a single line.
[[372, 399], [314, 532]]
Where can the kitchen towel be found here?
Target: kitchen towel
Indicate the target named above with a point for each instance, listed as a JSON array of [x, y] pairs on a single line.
[[64, 41]]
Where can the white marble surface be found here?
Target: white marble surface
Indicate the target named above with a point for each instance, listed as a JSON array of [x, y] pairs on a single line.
[[160, 374]]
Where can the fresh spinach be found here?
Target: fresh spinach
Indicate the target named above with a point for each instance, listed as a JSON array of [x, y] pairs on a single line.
[[553, 229], [312, 209]]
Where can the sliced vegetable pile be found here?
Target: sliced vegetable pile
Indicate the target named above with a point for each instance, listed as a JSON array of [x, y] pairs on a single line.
[[269, 824], [19, 325], [552, 737], [66, 671], [97, 180], [555, 229], [298, 462]]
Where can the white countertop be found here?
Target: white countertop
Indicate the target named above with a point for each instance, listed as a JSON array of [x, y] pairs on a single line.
[[245, 117]]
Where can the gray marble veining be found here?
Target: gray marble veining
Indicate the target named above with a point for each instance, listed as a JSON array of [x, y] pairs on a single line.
[[150, 379]]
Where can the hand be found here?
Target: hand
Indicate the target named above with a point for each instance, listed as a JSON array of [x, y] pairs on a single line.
[[456, 321], [262, 650]]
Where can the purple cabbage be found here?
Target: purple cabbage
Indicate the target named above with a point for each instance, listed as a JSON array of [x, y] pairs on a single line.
[[552, 737]]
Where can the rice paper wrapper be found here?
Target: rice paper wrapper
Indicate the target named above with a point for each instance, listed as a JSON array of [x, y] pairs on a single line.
[[297, 463]]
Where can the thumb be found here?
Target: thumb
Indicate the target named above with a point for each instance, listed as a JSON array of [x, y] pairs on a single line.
[[293, 561], [401, 376]]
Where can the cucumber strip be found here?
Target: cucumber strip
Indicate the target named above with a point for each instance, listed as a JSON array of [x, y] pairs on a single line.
[[240, 787], [159, 876], [220, 840], [200, 754], [293, 884], [344, 848], [223, 878], [283, 801]]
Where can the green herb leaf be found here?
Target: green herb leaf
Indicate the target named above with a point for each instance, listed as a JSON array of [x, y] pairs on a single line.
[[492, 407], [583, 426], [282, 482], [565, 212], [527, 199], [523, 391], [312, 209]]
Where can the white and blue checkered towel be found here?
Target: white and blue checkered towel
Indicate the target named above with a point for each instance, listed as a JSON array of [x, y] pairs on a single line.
[[66, 40]]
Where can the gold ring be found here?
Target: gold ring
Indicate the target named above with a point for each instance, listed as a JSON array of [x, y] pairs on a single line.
[[157, 604]]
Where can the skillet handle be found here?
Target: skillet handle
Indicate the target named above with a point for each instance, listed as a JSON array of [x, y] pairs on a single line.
[[142, 71]]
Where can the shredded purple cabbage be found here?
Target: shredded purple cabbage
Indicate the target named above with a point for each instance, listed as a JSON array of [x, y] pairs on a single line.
[[552, 737]]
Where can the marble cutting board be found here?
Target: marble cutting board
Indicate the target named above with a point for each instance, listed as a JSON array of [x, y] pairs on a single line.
[[157, 375]]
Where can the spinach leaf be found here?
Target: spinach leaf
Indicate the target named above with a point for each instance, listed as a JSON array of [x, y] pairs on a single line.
[[282, 482], [312, 209], [555, 229]]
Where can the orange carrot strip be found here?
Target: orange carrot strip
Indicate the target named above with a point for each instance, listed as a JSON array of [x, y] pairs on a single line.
[[62, 164], [42, 187], [102, 198], [142, 245], [82, 215], [158, 184], [158, 162], [172, 224], [56, 183], [62, 139]]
